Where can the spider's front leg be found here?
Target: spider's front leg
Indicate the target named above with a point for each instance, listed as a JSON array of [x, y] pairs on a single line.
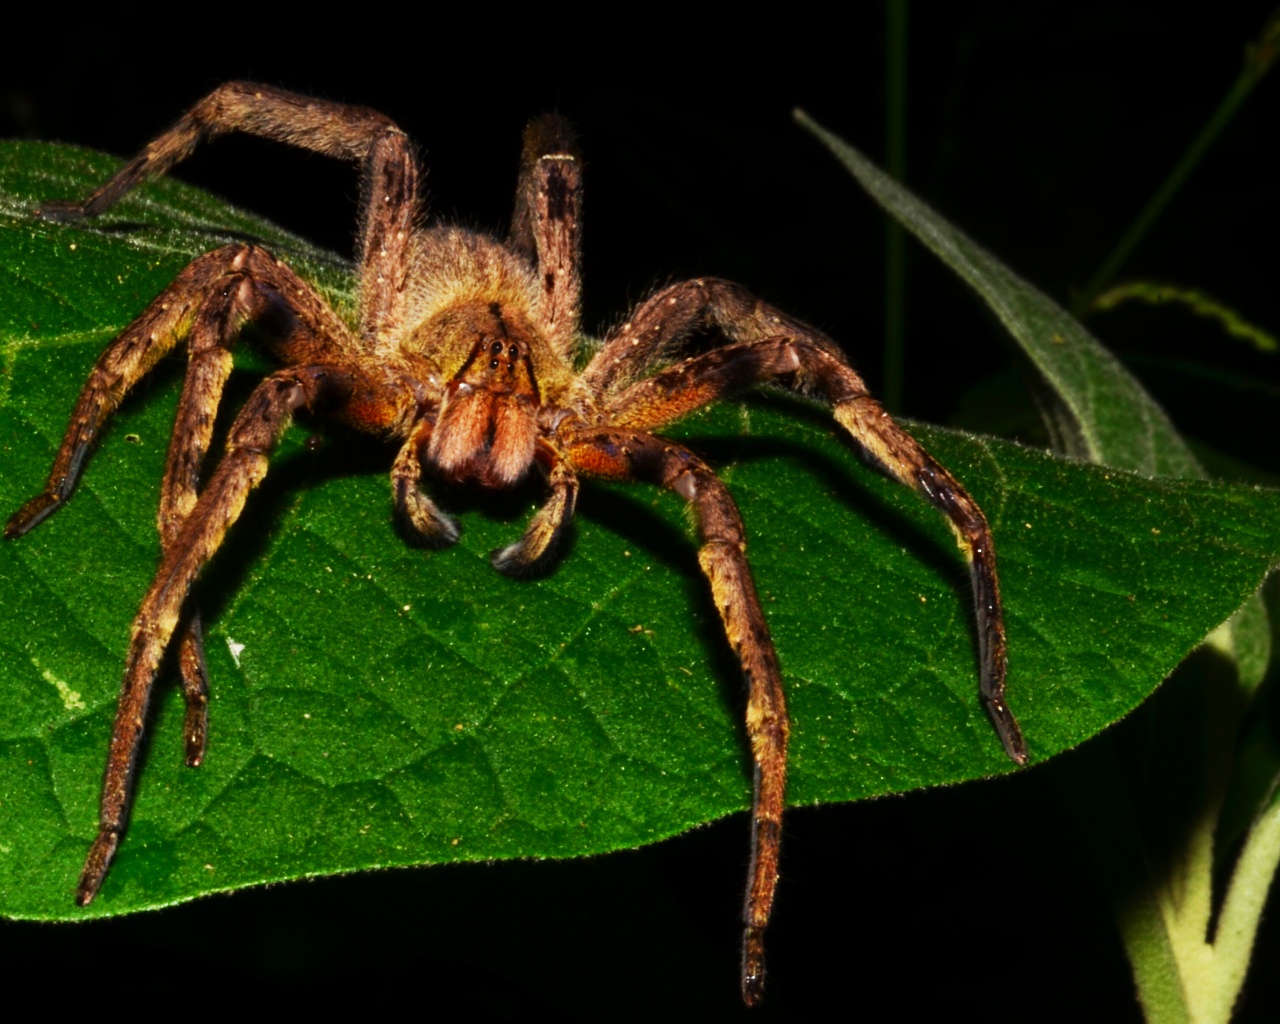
[[208, 303], [638, 455], [766, 345], [252, 437]]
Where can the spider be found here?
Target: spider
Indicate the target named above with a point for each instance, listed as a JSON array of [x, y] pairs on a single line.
[[463, 350]]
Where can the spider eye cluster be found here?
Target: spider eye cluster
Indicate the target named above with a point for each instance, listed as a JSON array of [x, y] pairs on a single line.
[[495, 350]]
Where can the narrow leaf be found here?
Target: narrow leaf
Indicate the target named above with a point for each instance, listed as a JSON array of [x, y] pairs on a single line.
[[1103, 414]]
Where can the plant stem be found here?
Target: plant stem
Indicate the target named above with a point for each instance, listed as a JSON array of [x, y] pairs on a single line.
[[1258, 59], [1193, 299], [1242, 907]]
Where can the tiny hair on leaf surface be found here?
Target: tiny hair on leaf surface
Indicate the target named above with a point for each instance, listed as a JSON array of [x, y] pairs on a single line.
[[374, 704]]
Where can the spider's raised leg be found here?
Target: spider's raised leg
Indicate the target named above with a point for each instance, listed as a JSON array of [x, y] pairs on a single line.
[[636, 455], [252, 437], [768, 345], [388, 188], [546, 225]]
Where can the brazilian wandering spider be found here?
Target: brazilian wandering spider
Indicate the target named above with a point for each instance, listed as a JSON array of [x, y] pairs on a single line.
[[463, 349]]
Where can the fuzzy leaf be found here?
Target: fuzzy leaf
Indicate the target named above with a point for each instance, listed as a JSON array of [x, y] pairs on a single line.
[[1094, 408]]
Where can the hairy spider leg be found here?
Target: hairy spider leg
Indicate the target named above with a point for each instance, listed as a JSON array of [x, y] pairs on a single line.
[[546, 226], [249, 289], [766, 345], [252, 437], [209, 301], [637, 455], [209, 366], [906, 461], [388, 181]]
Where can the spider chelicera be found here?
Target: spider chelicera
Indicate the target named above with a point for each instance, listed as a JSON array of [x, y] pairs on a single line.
[[463, 349]]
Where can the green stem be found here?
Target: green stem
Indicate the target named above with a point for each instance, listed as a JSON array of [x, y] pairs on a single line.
[[1095, 789], [1197, 301], [1242, 907], [1156, 855], [1259, 57]]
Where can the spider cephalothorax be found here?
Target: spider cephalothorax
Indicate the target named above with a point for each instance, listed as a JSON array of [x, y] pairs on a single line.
[[462, 349]]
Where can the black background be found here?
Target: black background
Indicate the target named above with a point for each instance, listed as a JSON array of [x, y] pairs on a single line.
[[1041, 131]]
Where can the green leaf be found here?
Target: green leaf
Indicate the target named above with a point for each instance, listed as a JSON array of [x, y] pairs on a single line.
[[1093, 407], [378, 705], [1161, 886]]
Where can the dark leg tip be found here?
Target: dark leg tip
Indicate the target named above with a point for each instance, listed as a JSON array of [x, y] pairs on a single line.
[[1008, 729], [61, 211], [195, 728], [95, 866], [753, 966], [514, 560], [31, 515], [523, 560], [196, 731], [195, 690], [428, 529]]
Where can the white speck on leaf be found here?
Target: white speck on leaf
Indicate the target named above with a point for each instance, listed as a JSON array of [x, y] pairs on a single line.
[[71, 699]]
